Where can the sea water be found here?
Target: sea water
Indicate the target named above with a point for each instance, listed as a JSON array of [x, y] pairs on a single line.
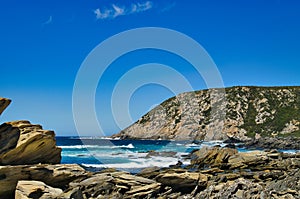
[[129, 155]]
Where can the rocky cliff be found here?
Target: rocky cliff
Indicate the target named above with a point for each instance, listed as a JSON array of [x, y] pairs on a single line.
[[24, 143], [236, 112]]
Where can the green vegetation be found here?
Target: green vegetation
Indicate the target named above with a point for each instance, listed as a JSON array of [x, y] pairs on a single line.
[[263, 110], [285, 111]]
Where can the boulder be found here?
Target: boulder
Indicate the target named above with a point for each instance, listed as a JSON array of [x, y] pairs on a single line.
[[248, 159], [3, 104], [54, 175], [24, 143], [182, 181], [150, 172], [161, 154], [214, 156], [35, 189]]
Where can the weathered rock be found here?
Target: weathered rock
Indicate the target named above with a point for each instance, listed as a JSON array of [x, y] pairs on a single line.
[[244, 160], [74, 193], [3, 104], [24, 143], [290, 184], [161, 154], [233, 187], [182, 181], [239, 188], [215, 156], [113, 185], [149, 173], [54, 175], [36, 190], [273, 143]]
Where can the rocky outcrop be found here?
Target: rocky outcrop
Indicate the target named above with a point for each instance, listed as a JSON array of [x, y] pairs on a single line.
[[273, 143], [24, 143], [254, 174], [182, 181], [113, 185], [35, 189], [210, 115], [214, 173], [58, 176], [3, 104], [218, 157], [225, 173], [161, 154], [212, 156]]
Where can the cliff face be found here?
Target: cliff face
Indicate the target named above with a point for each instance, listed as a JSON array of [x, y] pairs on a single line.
[[241, 113], [24, 143]]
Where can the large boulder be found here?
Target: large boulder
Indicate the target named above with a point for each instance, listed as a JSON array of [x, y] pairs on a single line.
[[54, 175], [214, 156], [249, 159], [24, 143], [35, 189], [3, 104], [182, 181]]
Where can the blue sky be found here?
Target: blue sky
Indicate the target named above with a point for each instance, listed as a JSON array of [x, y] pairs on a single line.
[[43, 43]]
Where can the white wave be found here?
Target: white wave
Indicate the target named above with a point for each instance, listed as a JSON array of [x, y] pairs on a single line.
[[78, 155], [111, 155], [87, 138], [290, 151], [140, 163], [129, 146], [192, 145], [78, 146], [109, 138]]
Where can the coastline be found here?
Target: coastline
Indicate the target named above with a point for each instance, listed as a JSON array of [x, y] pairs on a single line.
[[214, 172], [32, 167]]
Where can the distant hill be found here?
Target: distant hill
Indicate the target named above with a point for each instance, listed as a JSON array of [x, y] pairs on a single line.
[[244, 112]]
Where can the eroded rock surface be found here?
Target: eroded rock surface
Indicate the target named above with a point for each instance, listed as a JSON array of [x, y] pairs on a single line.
[[3, 104], [113, 185], [274, 143], [35, 189], [58, 176], [24, 143]]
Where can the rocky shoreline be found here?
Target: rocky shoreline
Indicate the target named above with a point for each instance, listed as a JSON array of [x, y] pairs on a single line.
[[30, 168], [213, 173]]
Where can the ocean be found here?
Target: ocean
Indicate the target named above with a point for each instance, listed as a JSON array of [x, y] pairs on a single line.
[[127, 155]]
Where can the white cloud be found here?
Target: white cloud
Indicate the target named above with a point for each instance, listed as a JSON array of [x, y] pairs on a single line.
[[48, 21], [141, 7], [115, 10], [118, 11], [102, 15]]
